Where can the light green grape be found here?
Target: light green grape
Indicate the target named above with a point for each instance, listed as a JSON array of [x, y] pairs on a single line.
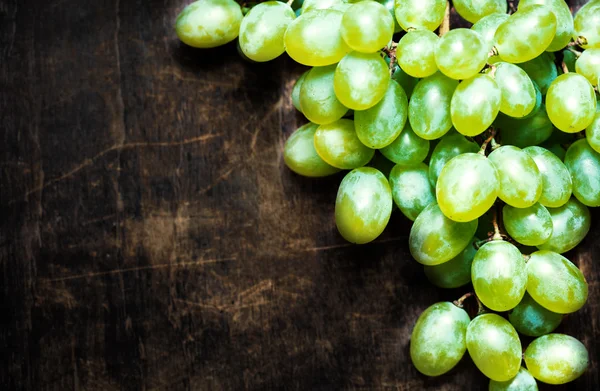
[[380, 125], [317, 96], [363, 205], [518, 92], [499, 276], [390, 5], [520, 179], [343, 7], [531, 319], [588, 65], [555, 283], [416, 53], [556, 180], [411, 189], [592, 133], [556, 358], [467, 187], [541, 70], [367, 27], [450, 146], [262, 30], [296, 91], [522, 382], [429, 106], [461, 53], [494, 346], [454, 273], [407, 82], [583, 162], [311, 5], [525, 132], [407, 148], [587, 25], [475, 105], [209, 23], [529, 226], [526, 34], [435, 239], [487, 27], [420, 14], [361, 80], [314, 38], [475, 10], [300, 155], [438, 341], [564, 21], [570, 224], [571, 103], [338, 144]]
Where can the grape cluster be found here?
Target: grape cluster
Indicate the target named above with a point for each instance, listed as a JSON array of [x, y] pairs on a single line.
[[487, 138]]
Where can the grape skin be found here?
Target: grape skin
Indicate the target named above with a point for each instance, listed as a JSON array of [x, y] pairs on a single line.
[[557, 185], [461, 53], [570, 224], [425, 14], [312, 5], [474, 10], [571, 103], [416, 53], [450, 146], [454, 273], [583, 162], [296, 91], [407, 148], [318, 101], [367, 26], [564, 21], [531, 319], [588, 65], [592, 133], [487, 27], [411, 189], [518, 92], [300, 155], [541, 70], [522, 382], [529, 226], [556, 358], [475, 105], [525, 132], [338, 145], [587, 25]]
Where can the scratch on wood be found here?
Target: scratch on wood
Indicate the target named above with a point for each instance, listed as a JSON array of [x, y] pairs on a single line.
[[344, 245]]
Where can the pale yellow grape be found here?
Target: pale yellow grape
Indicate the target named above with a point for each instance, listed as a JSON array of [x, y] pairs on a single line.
[[461, 53], [557, 185], [588, 65], [367, 27], [411, 189], [474, 10], [522, 382], [564, 21], [583, 163], [450, 146], [416, 53], [317, 96], [571, 103], [518, 92], [556, 358], [475, 105], [487, 27], [338, 145], [300, 155], [570, 224], [425, 14], [312, 5], [587, 25], [592, 133], [209, 23]]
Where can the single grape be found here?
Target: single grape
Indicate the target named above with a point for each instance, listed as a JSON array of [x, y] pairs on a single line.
[[461, 53], [407, 148], [592, 133], [588, 65], [522, 382], [317, 96], [487, 27], [311, 5], [494, 346], [475, 10], [435, 239], [556, 358], [296, 91], [556, 180], [416, 53], [571, 103], [526, 34], [390, 5], [363, 205], [564, 21], [587, 25], [361, 80], [209, 23], [407, 82], [454, 273], [420, 14], [467, 187], [300, 155], [367, 26], [438, 340], [411, 189], [450, 146], [541, 70], [529, 226], [524, 132], [570, 224], [475, 105], [338, 144], [429, 106], [518, 92], [531, 319], [380, 125], [583, 162]]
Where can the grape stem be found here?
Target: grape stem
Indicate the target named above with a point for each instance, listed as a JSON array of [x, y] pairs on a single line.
[[460, 301], [578, 42], [526, 257], [487, 141], [391, 52], [564, 67], [577, 53], [290, 2], [445, 26], [497, 234]]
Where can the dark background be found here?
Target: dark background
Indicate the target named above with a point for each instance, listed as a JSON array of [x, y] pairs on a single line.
[[152, 238]]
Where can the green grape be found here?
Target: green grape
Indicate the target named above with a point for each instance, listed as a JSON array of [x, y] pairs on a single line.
[[407, 82], [209, 23], [407, 148], [317, 96], [416, 53], [475, 10], [475, 105], [338, 144], [531, 319], [438, 340], [556, 180], [499, 276], [343, 7], [526, 34], [454, 273], [311, 5], [314, 38], [564, 21], [538, 100], [592, 133], [380, 125], [571, 103], [555, 283], [583, 162], [494, 346], [435, 239], [520, 179], [367, 27], [518, 92], [487, 27], [363, 205], [529, 226], [429, 106], [461, 53], [361, 80], [467, 187], [522, 382], [300, 155], [389, 5], [411, 189], [587, 25], [588, 65], [556, 358], [450, 146], [382, 164], [541, 70], [296, 91], [570, 224], [420, 14], [525, 132], [262, 30]]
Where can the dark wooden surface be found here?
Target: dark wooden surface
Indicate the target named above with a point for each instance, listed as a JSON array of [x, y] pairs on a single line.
[[152, 239]]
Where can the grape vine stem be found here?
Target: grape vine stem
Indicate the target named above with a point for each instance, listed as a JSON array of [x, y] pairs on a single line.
[[460, 301], [391, 52], [564, 67], [487, 141], [445, 26], [290, 2]]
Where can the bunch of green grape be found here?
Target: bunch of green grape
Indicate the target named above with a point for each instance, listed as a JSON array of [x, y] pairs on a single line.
[[487, 138]]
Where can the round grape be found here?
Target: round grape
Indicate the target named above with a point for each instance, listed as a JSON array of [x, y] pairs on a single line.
[[461, 53], [407, 148], [556, 180], [317, 96], [416, 53], [311, 5], [530, 226], [425, 14], [522, 382], [475, 105], [367, 27], [525, 132], [531, 319], [556, 358], [587, 25], [450, 146], [570, 224], [518, 92], [474, 10], [339, 146], [296, 91], [300, 155], [541, 70], [583, 162], [588, 65], [592, 133], [209, 23], [564, 21], [487, 27], [571, 103], [411, 189]]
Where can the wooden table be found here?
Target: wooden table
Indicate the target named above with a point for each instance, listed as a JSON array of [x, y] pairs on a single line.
[[152, 238]]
